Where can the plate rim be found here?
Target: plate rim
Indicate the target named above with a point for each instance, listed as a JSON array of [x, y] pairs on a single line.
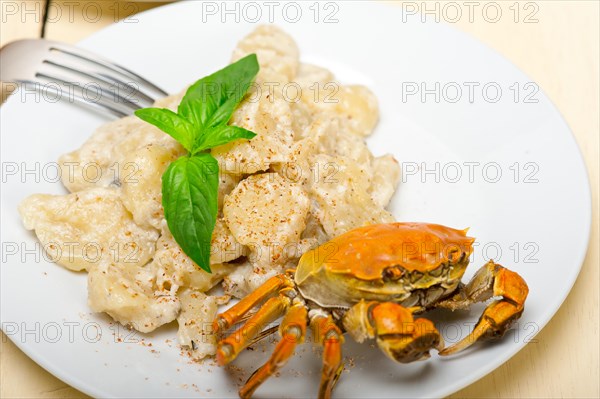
[[94, 391]]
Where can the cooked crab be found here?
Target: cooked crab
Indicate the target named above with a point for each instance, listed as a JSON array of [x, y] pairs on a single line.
[[369, 282]]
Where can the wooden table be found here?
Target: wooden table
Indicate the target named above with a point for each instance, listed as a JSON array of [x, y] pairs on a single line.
[[561, 53]]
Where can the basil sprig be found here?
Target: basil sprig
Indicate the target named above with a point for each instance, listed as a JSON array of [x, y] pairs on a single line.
[[190, 184]]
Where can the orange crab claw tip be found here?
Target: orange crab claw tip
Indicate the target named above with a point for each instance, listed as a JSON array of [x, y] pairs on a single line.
[[216, 328], [446, 352], [452, 349], [220, 324], [224, 354], [440, 346]]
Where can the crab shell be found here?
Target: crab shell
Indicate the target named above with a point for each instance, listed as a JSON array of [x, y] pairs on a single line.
[[414, 264]]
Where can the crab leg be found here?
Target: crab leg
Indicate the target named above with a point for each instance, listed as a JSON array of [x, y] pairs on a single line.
[[292, 330], [225, 320], [328, 334], [398, 335], [491, 280], [230, 347]]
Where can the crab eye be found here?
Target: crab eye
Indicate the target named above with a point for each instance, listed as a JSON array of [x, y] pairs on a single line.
[[393, 273]]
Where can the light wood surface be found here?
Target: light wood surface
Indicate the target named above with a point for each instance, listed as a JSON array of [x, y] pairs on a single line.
[[561, 53]]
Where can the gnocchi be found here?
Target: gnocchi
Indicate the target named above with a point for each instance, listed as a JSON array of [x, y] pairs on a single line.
[[306, 177], [88, 228]]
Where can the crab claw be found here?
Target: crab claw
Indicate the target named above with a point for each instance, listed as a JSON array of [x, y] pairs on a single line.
[[491, 280], [398, 335], [413, 345]]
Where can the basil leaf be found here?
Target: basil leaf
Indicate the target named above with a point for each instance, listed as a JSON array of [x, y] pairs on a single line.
[[220, 135], [171, 123], [211, 100], [224, 112], [190, 184], [189, 187]]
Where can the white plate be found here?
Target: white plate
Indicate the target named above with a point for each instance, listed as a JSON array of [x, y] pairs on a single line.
[[44, 306]]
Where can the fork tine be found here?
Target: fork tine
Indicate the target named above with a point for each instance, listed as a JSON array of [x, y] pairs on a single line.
[[37, 61], [116, 98], [98, 106], [92, 58], [108, 80]]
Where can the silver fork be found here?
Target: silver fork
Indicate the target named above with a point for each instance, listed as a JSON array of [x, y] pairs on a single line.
[[79, 76]]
